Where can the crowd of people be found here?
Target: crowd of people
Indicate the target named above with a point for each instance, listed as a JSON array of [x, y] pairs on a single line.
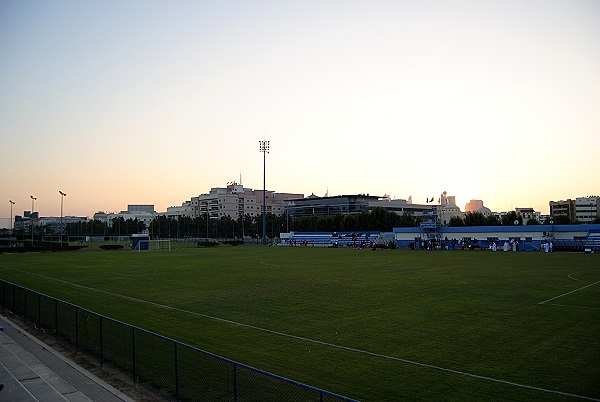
[[473, 244]]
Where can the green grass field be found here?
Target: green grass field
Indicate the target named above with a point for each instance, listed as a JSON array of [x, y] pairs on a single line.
[[385, 325]]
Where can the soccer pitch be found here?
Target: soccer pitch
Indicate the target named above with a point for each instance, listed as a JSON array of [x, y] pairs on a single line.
[[374, 326]]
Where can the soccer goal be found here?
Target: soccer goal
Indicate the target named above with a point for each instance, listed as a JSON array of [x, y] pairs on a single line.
[[153, 245]]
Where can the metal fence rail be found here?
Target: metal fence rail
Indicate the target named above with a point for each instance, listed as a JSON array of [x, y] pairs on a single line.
[[174, 370]]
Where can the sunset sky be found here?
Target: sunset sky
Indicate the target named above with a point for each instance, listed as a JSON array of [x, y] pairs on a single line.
[[154, 102]]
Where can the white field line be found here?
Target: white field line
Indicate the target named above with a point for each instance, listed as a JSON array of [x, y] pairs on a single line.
[[566, 305], [581, 272], [568, 293], [313, 341], [575, 279]]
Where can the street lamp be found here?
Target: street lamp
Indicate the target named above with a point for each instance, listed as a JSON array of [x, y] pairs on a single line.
[[264, 148], [62, 197], [31, 216], [11, 223]]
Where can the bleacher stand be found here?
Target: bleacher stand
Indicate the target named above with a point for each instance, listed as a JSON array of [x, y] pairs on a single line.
[[330, 239], [593, 240]]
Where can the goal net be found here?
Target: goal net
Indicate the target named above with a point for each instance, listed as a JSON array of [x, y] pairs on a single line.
[[153, 245]]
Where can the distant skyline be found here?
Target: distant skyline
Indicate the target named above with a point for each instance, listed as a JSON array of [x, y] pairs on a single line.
[[149, 102]]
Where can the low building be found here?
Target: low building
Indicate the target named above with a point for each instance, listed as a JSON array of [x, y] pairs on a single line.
[[24, 222], [325, 206], [351, 204], [528, 214], [143, 213], [525, 237], [53, 224], [141, 208]]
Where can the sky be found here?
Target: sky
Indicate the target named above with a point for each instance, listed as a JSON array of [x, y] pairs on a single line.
[[155, 102]]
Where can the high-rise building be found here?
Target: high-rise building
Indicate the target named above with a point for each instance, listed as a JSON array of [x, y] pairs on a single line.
[[587, 208], [563, 208], [473, 205]]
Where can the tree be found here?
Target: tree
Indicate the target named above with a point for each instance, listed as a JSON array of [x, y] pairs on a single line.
[[533, 221], [363, 221], [349, 223], [561, 220], [162, 227], [474, 219], [407, 220], [337, 221], [510, 218], [248, 226], [456, 221], [492, 220]]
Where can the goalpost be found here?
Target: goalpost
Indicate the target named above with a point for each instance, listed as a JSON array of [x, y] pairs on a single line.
[[153, 245]]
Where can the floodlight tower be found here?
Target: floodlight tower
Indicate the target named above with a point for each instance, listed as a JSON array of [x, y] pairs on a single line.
[[31, 216], [264, 148], [62, 197], [11, 223]]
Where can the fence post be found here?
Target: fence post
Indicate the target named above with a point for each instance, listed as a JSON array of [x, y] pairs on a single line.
[[101, 344], [133, 352], [56, 319], [76, 330], [39, 310], [176, 373], [235, 382]]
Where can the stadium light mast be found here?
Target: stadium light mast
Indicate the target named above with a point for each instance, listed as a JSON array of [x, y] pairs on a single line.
[[11, 223], [31, 216], [264, 148], [62, 197]]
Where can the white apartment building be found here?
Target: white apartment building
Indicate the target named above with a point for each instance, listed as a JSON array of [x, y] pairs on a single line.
[[143, 213], [233, 201], [587, 208], [185, 210]]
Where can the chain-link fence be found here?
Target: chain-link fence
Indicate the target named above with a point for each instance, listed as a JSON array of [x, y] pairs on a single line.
[[174, 370]]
